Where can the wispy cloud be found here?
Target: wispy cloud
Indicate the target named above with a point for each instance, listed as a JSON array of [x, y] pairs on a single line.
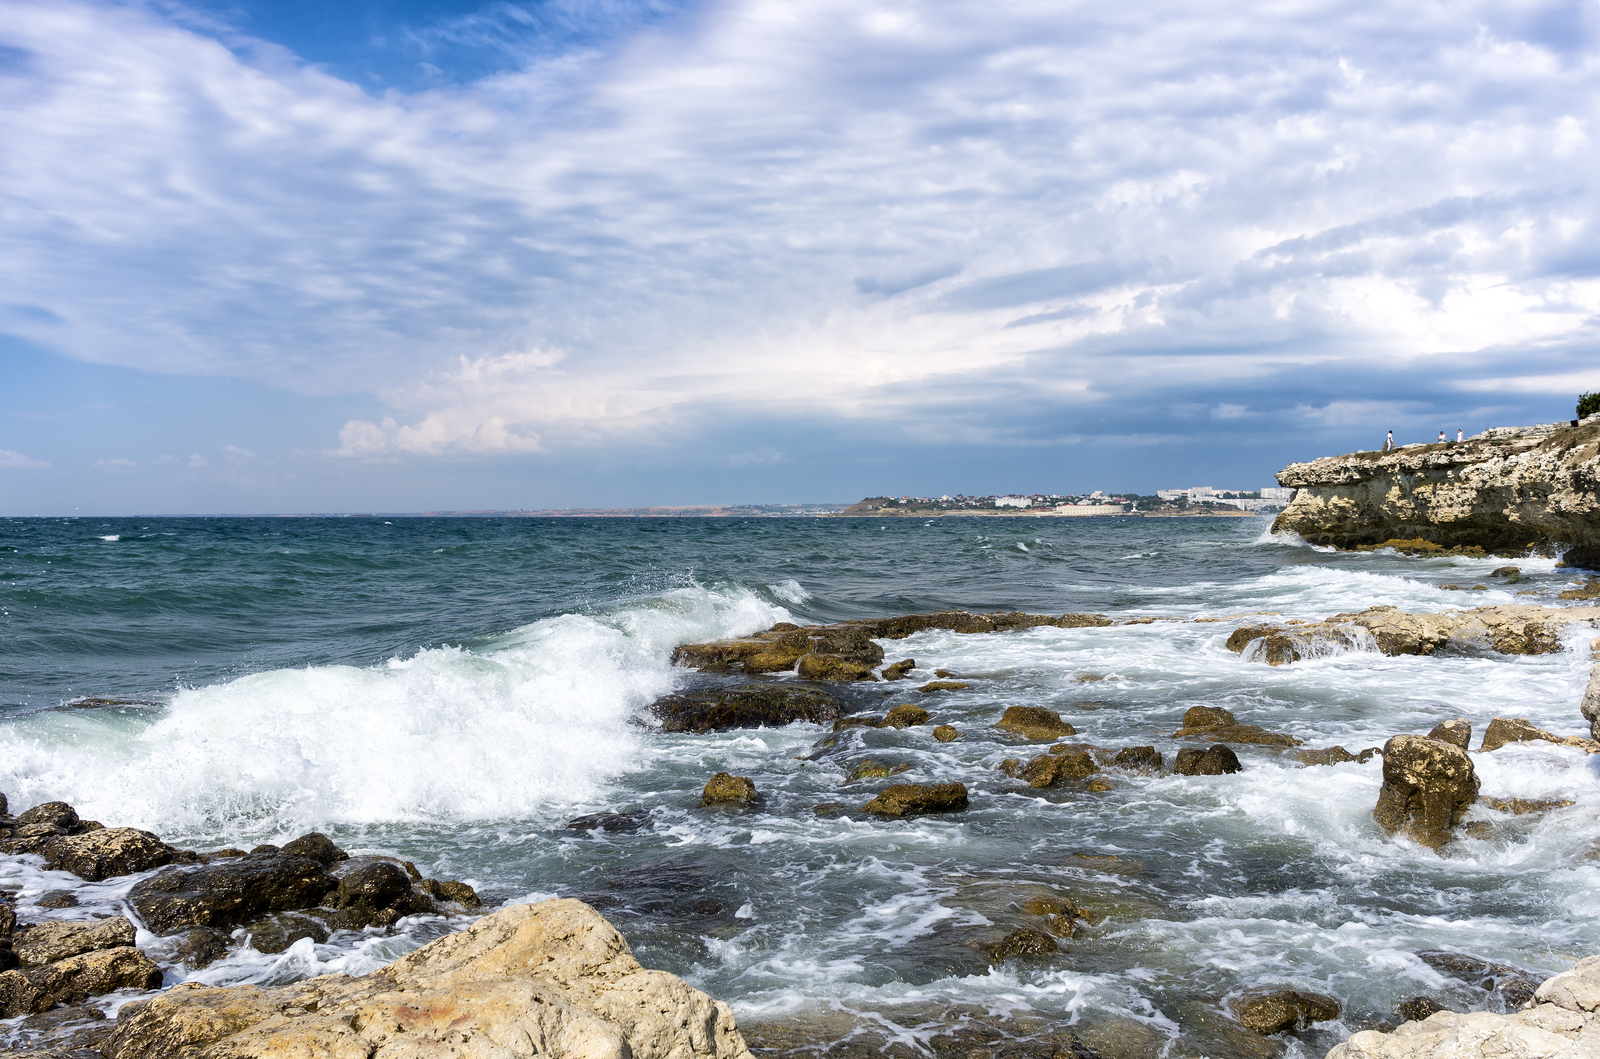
[[12, 460]]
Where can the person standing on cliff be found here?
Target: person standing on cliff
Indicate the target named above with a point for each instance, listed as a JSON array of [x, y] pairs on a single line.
[[1441, 437], [1459, 435], [1388, 442]]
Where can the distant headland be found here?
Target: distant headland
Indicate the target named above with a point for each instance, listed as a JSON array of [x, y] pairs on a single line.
[[1201, 501]]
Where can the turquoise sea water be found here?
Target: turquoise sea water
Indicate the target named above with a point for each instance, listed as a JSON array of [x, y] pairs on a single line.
[[454, 690]]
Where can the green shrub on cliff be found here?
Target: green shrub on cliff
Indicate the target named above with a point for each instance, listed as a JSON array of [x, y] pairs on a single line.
[[1588, 404]]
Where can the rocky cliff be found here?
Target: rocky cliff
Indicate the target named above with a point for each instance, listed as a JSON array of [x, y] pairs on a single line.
[[1507, 491]]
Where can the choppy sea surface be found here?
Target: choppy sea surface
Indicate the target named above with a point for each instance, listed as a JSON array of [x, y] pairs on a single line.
[[453, 691]]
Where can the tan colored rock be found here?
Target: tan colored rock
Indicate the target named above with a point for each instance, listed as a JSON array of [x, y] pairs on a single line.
[[945, 685], [76, 978], [1524, 806], [1238, 733], [1034, 722], [723, 789], [1274, 1011], [1333, 755], [903, 799], [905, 716], [946, 733], [1503, 730], [899, 670], [1208, 717], [20, 996], [49, 942], [1457, 731], [553, 980], [1048, 770], [108, 852], [832, 667], [1520, 629], [1428, 786], [1590, 707]]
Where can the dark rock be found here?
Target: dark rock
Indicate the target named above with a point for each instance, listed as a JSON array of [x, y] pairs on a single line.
[[318, 847], [905, 716], [723, 789], [1138, 758], [56, 899], [263, 850], [1215, 760], [231, 893], [1515, 985], [31, 838], [904, 799], [1011, 767], [1428, 786], [76, 978], [748, 706], [58, 814], [199, 947], [1238, 733], [49, 942], [945, 685], [1503, 730], [1417, 1008], [612, 823], [899, 670], [945, 733], [1048, 770], [1333, 755], [860, 721], [108, 852], [1458, 731], [834, 668], [1208, 717], [229, 852], [451, 890], [829, 809], [377, 889], [276, 932], [1283, 1009], [72, 1032], [1034, 722], [1025, 944]]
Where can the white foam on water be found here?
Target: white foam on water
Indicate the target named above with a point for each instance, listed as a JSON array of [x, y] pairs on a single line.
[[537, 721], [790, 591], [112, 537]]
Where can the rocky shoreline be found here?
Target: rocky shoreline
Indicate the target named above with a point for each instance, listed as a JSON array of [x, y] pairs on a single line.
[[557, 978]]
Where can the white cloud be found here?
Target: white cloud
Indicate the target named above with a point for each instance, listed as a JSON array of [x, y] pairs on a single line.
[[13, 460], [874, 209]]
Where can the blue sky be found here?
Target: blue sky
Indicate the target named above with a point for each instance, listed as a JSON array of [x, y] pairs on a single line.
[[404, 255]]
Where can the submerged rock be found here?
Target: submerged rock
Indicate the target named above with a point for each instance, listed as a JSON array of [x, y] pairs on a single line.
[[1333, 755], [945, 733], [899, 670], [747, 706], [905, 799], [1524, 806], [1025, 944], [1503, 730], [612, 823], [275, 933], [945, 685], [1428, 786], [1034, 722], [1238, 733], [1048, 770], [552, 980], [1417, 1008], [1515, 985], [1274, 1011], [724, 789], [1216, 760]]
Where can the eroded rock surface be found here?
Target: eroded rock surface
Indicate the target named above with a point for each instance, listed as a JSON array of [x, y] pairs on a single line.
[[1034, 722], [1276, 1010], [770, 705], [905, 799], [1515, 629], [552, 980], [1428, 786]]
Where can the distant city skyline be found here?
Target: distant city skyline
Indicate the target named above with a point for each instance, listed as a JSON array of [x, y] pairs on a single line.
[[447, 255]]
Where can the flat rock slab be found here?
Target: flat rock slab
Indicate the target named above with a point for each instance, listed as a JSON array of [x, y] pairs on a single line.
[[768, 705]]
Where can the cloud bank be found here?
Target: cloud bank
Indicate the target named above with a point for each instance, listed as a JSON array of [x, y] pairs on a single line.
[[1033, 222]]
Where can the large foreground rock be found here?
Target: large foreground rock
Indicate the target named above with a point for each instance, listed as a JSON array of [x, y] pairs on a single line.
[[1428, 786], [552, 980], [229, 893], [110, 851], [1563, 1021]]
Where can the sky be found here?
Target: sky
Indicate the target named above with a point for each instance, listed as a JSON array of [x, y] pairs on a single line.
[[411, 255]]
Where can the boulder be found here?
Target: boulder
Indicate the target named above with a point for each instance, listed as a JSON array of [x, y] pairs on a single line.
[[552, 980], [108, 852], [835, 668], [723, 789], [318, 847], [31, 838], [76, 978], [1457, 731], [899, 670], [1274, 1011], [1516, 986], [747, 706], [1034, 722], [1503, 730], [49, 942], [1590, 707], [375, 891], [1197, 717], [905, 799], [20, 996], [1215, 760], [1238, 733], [945, 685], [905, 716], [945, 733], [1138, 759], [55, 814], [1047, 770], [1024, 944], [231, 893], [1428, 786], [451, 890], [1333, 755]]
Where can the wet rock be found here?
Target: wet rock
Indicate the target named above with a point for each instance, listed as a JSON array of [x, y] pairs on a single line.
[[747, 706], [1083, 621], [1252, 734], [56, 899], [872, 769], [1138, 759], [832, 668], [1506, 571], [20, 996], [31, 838], [377, 890], [905, 716], [1428, 786], [76, 978], [1457, 731], [944, 674], [553, 980], [1213, 761], [1590, 707], [1333, 755], [275, 933], [266, 849], [905, 799], [945, 685], [451, 890], [1523, 806], [1417, 1008], [612, 823], [1197, 717], [1515, 985], [108, 852], [1503, 730], [860, 721], [231, 893], [1276, 648], [318, 847], [829, 809], [1588, 590], [899, 670], [198, 947], [1048, 770], [71, 1032], [1034, 722], [49, 942], [725, 789], [1011, 767], [1025, 944], [55, 814], [1274, 1011], [230, 851]]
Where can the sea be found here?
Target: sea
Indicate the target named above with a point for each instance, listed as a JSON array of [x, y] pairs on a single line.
[[454, 691]]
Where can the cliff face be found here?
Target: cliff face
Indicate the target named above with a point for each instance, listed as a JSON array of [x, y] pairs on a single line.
[[1511, 491]]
